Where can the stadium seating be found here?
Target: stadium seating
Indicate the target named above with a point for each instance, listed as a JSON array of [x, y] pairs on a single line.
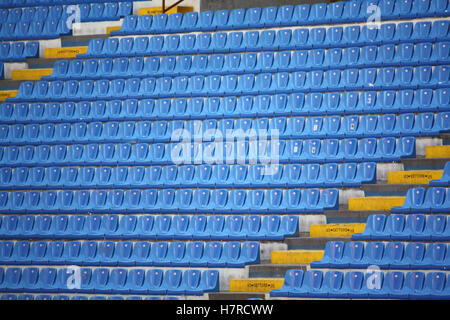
[[332, 127], [18, 51], [48, 22], [394, 255], [297, 104], [360, 285], [287, 15], [170, 201], [248, 62], [107, 253], [420, 200], [254, 40], [204, 176], [175, 154], [116, 281], [414, 227], [198, 227]]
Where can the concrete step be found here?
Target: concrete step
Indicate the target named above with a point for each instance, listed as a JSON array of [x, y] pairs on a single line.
[[9, 84], [422, 163], [309, 243], [236, 295], [392, 189], [268, 270], [81, 40], [44, 62], [343, 215]]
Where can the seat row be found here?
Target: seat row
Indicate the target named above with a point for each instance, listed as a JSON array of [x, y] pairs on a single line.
[[393, 255], [416, 227], [35, 30], [106, 253], [245, 152], [78, 297], [162, 227], [101, 11], [444, 181], [170, 201], [257, 40], [287, 15], [360, 285], [368, 56], [296, 104], [217, 85], [423, 200], [33, 3], [205, 175], [18, 51], [407, 124], [102, 280]]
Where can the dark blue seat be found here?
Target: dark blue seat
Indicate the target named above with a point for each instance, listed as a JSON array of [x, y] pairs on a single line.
[[47, 280], [435, 256], [414, 285], [436, 286]]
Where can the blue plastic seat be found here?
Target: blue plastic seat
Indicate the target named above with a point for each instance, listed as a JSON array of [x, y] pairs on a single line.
[[333, 254], [172, 281], [141, 253], [374, 228], [435, 255], [159, 23], [253, 17], [393, 255], [293, 279], [47, 280], [311, 286], [189, 21], [436, 286], [392, 284], [373, 255], [205, 21], [236, 19], [89, 253], [413, 202]]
